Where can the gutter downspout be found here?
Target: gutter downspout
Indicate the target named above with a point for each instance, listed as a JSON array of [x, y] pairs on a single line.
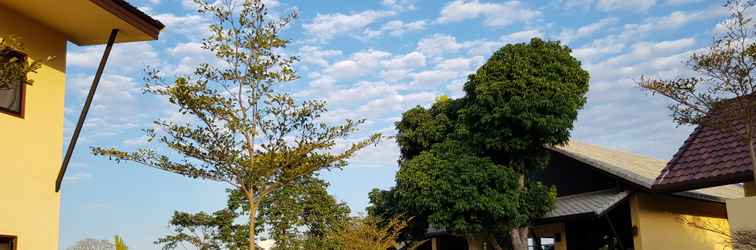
[[85, 109]]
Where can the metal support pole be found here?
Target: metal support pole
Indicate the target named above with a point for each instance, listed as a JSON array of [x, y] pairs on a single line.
[[85, 109], [611, 225]]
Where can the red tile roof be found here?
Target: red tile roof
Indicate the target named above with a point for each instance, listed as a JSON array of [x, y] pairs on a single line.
[[709, 157]]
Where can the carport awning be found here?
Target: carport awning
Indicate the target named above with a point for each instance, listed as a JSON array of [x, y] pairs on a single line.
[[586, 204]]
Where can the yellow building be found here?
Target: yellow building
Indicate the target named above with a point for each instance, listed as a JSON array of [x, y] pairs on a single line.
[[604, 201], [31, 116]]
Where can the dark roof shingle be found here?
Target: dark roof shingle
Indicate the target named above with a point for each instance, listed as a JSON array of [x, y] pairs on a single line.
[[709, 157]]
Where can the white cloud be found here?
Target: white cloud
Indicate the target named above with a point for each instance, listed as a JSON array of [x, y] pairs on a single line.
[[316, 56], [77, 177], [396, 103], [522, 36], [193, 26], [568, 35], [190, 48], [682, 2], [325, 27], [628, 5], [663, 58], [362, 91], [399, 5], [411, 60], [359, 64], [124, 58], [395, 28], [439, 44], [494, 14], [577, 4]]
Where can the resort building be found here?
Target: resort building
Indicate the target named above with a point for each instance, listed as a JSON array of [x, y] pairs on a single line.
[[605, 201], [31, 116]]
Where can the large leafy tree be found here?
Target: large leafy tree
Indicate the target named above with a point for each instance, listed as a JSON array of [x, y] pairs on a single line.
[[720, 91], [464, 162], [239, 128]]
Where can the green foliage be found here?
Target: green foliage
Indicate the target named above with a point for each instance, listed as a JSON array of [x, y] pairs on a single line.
[[239, 128], [205, 231], [464, 162], [298, 216], [119, 243], [524, 98], [14, 67], [457, 190], [367, 233]]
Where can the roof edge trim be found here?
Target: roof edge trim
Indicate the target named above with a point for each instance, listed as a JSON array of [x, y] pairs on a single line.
[[132, 15]]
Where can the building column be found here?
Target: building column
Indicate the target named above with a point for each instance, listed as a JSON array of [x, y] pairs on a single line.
[[434, 243]]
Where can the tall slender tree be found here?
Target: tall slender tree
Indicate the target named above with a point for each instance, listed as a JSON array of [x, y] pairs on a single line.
[[240, 129]]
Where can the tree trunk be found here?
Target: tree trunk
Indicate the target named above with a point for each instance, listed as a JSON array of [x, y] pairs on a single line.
[[474, 242], [519, 238], [752, 153], [252, 220], [494, 243]]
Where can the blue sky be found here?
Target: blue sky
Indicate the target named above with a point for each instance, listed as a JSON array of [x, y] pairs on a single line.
[[372, 60]]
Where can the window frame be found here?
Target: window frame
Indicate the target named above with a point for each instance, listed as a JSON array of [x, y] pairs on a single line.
[[13, 239], [22, 95]]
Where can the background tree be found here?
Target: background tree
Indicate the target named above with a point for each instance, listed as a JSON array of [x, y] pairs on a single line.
[[241, 129], [301, 216], [524, 99], [298, 216], [119, 243], [92, 244], [367, 233], [205, 231], [720, 93]]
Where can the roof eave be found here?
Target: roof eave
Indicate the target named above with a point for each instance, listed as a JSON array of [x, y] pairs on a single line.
[[719, 180], [133, 16]]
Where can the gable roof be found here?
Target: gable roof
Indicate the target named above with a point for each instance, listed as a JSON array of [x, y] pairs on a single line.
[[709, 157], [637, 169]]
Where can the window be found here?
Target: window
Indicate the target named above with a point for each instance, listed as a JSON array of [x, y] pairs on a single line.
[[12, 91], [7, 242]]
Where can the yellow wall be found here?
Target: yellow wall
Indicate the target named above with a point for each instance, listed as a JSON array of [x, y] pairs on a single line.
[[658, 218], [742, 213], [30, 147], [551, 230]]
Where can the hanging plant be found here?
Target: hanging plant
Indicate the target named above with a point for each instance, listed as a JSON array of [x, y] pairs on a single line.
[[14, 67]]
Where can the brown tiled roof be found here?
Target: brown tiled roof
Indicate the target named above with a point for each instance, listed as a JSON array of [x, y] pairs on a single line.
[[709, 157], [637, 169]]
